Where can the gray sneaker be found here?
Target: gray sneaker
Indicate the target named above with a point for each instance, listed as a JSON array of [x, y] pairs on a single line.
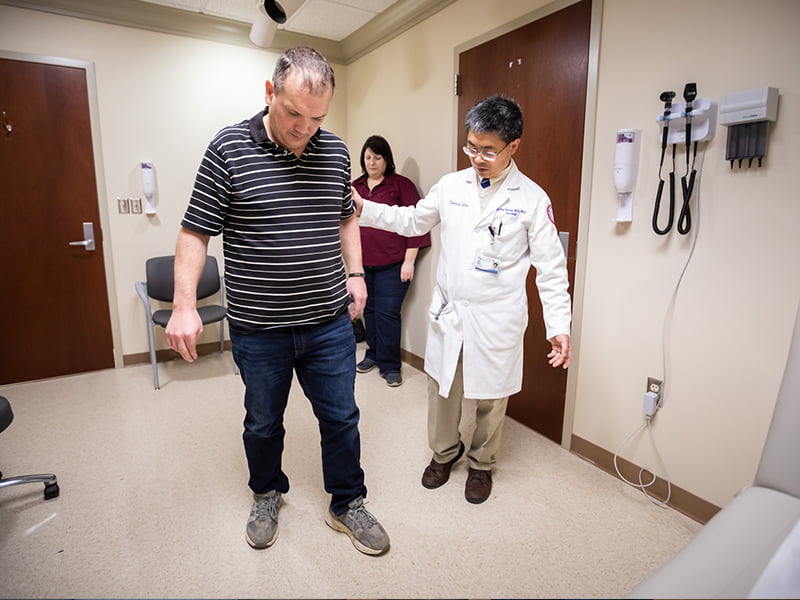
[[262, 526], [367, 535], [393, 378], [366, 365]]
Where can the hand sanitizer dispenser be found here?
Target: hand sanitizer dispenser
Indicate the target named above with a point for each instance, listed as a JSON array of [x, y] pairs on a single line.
[[148, 187], [626, 171]]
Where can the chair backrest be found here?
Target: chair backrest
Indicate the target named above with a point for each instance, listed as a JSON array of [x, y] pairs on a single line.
[[6, 414], [161, 278], [778, 468]]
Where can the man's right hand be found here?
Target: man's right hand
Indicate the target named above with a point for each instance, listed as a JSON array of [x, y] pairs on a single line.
[[183, 330]]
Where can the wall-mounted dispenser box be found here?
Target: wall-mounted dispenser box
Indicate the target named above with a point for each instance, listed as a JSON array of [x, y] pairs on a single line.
[[148, 187], [759, 104], [747, 115], [626, 171]]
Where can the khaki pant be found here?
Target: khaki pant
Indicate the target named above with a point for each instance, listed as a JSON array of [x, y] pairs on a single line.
[[444, 417]]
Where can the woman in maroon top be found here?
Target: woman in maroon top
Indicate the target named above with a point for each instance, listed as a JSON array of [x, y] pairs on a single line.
[[388, 260]]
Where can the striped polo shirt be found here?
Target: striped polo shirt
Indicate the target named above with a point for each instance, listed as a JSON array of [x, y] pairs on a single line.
[[279, 216]]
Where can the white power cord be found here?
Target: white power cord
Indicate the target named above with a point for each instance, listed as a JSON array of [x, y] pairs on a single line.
[[642, 485], [649, 417]]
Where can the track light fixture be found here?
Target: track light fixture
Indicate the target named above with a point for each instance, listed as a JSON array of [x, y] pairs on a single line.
[[274, 11], [270, 14]]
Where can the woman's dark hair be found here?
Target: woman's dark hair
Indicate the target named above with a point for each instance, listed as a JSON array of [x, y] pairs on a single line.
[[380, 146]]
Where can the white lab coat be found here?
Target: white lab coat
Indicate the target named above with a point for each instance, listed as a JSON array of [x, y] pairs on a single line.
[[482, 312]]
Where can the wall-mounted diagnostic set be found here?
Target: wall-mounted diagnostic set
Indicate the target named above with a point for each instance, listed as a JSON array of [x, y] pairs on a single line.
[[683, 124]]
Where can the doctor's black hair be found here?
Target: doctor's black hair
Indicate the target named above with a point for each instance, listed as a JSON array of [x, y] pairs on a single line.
[[496, 114], [380, 146], [315, 70]]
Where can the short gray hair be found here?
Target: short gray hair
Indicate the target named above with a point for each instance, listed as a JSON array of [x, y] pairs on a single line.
[[496, 114], [315, 70]]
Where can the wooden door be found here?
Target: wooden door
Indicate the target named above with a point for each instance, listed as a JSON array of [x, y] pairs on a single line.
[[54, 305], [544, 67]]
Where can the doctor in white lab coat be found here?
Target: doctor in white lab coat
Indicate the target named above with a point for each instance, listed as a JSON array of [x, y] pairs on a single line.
[[495, 223]]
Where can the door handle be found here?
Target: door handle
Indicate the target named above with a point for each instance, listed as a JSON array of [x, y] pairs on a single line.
[[88, 237], [564, 237]]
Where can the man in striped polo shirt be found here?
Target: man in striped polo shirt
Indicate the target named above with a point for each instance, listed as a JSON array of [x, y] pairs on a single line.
[[277, 187]]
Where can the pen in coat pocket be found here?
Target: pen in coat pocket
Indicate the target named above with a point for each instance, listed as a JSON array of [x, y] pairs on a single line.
[[439, 312]]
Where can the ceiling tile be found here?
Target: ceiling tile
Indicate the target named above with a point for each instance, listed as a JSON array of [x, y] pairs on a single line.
[[375, 6], [239, 10], [331, 20]]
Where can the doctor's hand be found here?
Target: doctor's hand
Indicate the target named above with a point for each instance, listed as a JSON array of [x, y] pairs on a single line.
[[359, 201], [183, 329], [561, 354]]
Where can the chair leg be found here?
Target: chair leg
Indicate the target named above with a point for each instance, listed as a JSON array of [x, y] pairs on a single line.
[[141, 291], [222, 323], [49, 480], [235, 366], [151, 340]]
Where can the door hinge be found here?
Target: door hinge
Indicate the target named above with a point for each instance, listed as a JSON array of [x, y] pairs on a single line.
[[457, 85]]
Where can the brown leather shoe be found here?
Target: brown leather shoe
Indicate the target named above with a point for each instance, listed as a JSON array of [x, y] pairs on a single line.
[[436, 474], [479, 486]]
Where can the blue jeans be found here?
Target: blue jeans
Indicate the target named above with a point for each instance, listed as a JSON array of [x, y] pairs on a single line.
[[382, 321], [323, 356]]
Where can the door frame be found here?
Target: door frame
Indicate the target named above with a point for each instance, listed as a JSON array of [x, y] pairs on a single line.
[[590, 123], [102, 204]]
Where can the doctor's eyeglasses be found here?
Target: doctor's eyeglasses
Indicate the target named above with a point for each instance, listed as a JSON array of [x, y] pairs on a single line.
[[485, 154]]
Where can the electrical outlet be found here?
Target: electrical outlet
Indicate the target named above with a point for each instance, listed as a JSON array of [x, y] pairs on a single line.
[[122, 206], [656, 386], [136, 205]]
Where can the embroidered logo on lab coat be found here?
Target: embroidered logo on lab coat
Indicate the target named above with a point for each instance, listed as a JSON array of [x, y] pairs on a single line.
[[550, 214]]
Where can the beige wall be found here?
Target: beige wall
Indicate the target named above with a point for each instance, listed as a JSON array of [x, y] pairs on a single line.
[[728, 334]]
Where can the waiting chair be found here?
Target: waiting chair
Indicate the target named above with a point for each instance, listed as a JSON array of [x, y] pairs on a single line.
[[160, 285], [49, 480]]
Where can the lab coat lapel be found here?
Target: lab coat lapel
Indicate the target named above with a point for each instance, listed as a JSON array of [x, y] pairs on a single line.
[[470, 182], [501, 197]]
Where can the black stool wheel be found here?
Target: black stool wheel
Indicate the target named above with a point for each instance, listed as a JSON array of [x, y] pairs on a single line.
[[51, 491], [49, 480]]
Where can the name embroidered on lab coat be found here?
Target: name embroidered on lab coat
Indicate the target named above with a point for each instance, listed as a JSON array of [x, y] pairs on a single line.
[[512, 211]]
